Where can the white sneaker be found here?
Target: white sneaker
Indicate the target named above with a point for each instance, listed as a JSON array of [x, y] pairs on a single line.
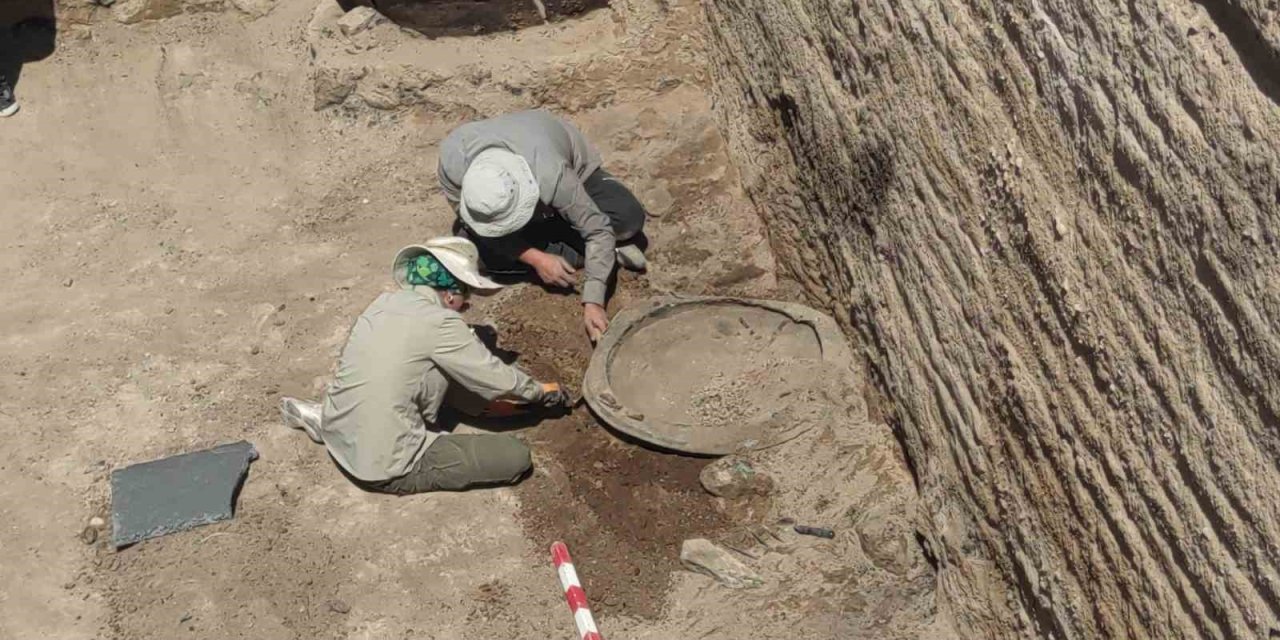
[[8, 105], [631, 257], [299, 414]]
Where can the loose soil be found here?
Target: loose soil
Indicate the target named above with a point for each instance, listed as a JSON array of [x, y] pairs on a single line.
[[623, 509]]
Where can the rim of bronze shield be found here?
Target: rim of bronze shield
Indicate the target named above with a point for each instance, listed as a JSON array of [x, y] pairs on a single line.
[[688, 438]]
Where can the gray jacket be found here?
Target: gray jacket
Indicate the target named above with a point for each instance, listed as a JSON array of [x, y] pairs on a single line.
[[561, 159]]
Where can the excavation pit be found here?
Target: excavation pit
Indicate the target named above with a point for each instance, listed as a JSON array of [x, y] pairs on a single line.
[[435, 18], [713, 376]]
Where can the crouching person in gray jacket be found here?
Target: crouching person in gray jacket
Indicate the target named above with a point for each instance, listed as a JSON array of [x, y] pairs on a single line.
[[409, 353], [530, 190]]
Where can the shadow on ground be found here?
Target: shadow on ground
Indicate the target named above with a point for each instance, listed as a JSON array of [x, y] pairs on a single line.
[[28, 33]]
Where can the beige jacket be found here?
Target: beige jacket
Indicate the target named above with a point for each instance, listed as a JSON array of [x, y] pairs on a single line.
[[402, 355]]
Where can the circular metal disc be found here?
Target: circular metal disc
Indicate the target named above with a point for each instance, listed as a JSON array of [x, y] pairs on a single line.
[[659, 355]]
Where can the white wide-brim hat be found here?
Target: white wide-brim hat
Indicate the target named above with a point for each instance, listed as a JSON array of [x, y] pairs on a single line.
[[458, 255], [499, 193]]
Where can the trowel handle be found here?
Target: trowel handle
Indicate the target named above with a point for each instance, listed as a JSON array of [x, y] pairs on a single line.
[[815, 531]]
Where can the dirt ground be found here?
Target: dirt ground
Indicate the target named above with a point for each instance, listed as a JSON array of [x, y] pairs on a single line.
[[198, 207]]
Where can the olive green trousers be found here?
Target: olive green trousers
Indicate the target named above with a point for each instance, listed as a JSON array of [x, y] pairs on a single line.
[[457, 462]]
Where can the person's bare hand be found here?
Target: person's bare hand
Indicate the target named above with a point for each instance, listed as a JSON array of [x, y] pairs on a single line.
[[554, 270], [595, 320]]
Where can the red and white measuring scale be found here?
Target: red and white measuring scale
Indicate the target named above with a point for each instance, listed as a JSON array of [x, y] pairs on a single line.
[[573, 592]]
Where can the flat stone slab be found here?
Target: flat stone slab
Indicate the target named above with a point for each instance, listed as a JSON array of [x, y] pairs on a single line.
[[177, 493], [703, 556]]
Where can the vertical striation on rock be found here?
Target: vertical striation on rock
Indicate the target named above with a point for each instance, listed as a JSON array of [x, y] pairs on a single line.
[[1051, 225]]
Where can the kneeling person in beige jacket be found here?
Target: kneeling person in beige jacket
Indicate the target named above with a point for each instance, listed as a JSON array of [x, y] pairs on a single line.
[[409, 353]]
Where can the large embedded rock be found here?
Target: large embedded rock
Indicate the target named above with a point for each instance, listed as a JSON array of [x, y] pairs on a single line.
[[359, 19], [254, 8], [734, 477], [332, 86]]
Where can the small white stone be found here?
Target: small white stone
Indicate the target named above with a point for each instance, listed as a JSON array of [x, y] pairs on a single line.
[[359, 19]]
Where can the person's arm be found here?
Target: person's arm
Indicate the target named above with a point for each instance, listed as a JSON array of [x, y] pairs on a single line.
[[572, 201], [464, 359]]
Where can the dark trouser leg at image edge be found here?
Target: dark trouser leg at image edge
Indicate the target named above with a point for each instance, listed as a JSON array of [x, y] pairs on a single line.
[[8, 105]]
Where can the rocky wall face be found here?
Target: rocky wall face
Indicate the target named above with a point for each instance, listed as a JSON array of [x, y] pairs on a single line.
[[1051, 226]]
